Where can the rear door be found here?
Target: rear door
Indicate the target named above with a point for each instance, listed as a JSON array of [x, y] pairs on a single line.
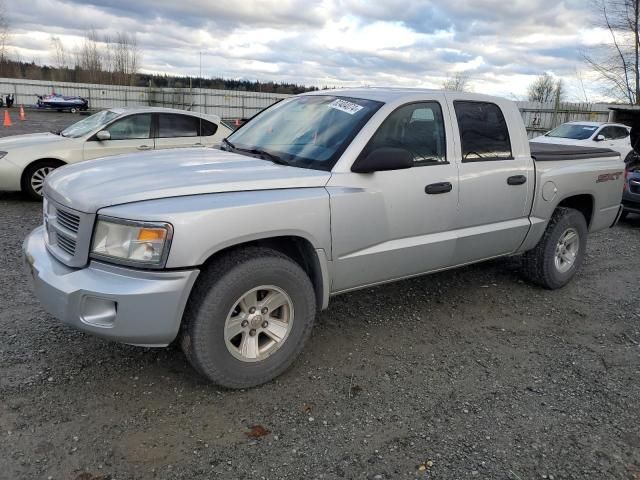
[[496, 179], [616, 138], [129, 134], [176, 130]]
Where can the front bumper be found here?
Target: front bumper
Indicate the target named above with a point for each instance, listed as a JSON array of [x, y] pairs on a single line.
[[121, 304], [631, 202]]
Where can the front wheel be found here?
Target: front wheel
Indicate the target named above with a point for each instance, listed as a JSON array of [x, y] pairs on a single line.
[[560, 252], [248, 317], [34, 177]]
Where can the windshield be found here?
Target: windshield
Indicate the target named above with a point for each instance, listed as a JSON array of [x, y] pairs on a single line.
[[309, 131], [89, 124], [575, 131]]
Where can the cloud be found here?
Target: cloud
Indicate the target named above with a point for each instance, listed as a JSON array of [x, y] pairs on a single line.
[[500, 45]]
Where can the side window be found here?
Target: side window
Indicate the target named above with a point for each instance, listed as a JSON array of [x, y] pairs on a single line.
[[131, 127], [172, 125], [483, 132], [418, 128], [607, 133], [207, 128], [620, 133]]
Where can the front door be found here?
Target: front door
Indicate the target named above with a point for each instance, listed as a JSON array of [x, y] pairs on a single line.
[[393, 224], [496, 181], [128, 134]]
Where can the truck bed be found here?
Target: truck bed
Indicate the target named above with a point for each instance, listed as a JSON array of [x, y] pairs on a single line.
[[546, 152]]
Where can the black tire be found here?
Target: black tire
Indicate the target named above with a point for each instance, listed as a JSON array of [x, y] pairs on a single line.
[[29, 173], [538, 265], [218, 288], [624, 215]]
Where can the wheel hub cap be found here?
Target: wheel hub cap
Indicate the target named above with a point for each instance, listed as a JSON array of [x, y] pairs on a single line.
[[37, 179], [567, 250], [259, 323]]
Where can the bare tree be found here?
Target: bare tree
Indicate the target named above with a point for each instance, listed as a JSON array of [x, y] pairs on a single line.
[[60, 57], [545, 89], [124, 58], [457, 83], [4, 35], [617, 61], [89, 57]]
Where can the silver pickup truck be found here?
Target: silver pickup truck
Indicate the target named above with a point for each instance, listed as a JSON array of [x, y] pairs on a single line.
[[233, 250]]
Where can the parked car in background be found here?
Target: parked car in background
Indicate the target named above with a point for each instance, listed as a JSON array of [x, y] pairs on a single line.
[[234, 250], [26, 160], [631, 194], [590, 134]]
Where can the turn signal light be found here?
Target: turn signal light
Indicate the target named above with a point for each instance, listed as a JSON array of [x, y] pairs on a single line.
[[151, 234]]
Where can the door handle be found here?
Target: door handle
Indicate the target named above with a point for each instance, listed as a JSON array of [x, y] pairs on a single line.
[[144, 147], [517, 180], [436, 188]]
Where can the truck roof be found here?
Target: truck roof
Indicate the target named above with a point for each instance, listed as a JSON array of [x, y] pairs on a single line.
[[388, 94]]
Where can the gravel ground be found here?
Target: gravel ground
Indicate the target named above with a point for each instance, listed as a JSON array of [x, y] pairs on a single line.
[[471, 373]]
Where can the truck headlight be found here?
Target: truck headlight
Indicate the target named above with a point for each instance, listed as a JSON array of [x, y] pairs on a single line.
[[127, 242]]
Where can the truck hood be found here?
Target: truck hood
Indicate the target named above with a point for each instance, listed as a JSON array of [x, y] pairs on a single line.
[[30, 140], [90, 186]]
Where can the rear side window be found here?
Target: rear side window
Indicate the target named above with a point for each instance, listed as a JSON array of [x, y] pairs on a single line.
[[483, 132], [416, 127], [207, 128], [614, 133], [174, 125]]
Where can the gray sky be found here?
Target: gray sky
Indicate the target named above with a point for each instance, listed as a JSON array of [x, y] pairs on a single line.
[[501, 45]]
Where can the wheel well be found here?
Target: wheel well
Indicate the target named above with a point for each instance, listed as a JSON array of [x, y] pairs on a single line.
[[582, 203], [299, 249], [36, 162]]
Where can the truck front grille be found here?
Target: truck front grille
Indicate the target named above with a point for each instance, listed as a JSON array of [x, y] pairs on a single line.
[[68, 220], [67, 244], [68, 233]]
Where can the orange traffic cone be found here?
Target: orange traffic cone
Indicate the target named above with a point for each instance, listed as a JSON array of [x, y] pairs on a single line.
[[22, 115], [7, 119]]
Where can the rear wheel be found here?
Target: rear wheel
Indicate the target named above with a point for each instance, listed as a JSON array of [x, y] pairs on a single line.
[[248, 317], [624, 215], [35, 175], [560, 252]]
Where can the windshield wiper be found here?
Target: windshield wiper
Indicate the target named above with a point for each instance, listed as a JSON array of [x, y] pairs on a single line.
[[228, 143], [264, 155]]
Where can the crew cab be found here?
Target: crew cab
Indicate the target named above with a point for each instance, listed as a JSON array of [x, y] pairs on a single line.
[[232, 251], [26, 160]]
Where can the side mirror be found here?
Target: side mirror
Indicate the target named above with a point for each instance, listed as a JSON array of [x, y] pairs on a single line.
[[103, 135], [383, 159], [600, 138]]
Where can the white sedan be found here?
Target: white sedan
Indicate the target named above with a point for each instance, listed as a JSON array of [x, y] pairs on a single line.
[[25, 160], [614, 136]]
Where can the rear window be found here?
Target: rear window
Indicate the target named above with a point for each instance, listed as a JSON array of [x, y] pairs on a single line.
[[484, 135]]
